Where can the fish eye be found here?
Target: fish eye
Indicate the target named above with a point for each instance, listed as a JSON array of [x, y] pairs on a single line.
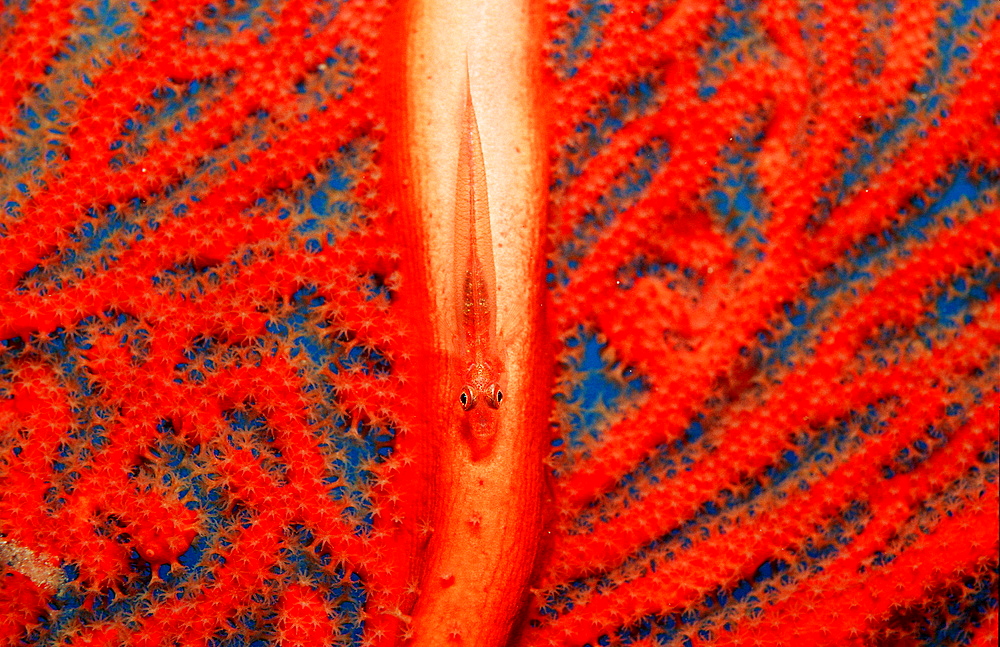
[[467, 399], [496, 397]]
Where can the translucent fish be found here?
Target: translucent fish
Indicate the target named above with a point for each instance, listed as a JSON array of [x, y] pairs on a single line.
[[479, 351]]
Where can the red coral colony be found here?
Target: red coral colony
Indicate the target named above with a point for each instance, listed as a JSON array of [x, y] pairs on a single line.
[[774, 280]]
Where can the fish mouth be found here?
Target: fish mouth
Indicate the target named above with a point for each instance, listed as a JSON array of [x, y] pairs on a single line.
[[480, 432]]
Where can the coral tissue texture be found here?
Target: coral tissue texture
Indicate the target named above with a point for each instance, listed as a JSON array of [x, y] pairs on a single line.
[[774, 285]]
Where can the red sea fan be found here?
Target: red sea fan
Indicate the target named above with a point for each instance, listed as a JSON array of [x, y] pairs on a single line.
[[774, 283], [199, 399], [776, 260]]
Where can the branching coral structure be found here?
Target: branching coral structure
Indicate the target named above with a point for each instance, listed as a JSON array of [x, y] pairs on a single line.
[[775, 277], [773, 280]]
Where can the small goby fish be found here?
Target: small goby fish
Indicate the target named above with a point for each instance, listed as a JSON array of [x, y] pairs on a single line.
[[480, 356]]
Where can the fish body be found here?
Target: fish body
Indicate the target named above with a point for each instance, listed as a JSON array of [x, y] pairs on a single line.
[[480, 356]]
